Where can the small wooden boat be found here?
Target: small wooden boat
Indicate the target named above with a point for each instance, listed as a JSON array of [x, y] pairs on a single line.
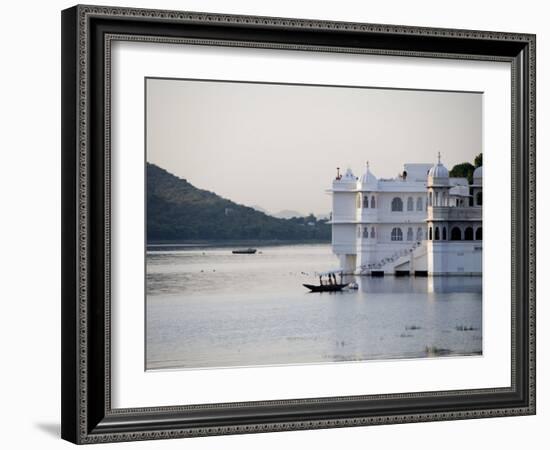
[[325, 287], [244, 251], [329, 284]]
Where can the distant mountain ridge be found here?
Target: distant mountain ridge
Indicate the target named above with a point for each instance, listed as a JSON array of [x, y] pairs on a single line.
[[287, 214], [177, 210]]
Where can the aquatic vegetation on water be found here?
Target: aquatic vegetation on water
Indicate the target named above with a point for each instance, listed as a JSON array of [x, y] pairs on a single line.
[[436, 351], [253, 312]]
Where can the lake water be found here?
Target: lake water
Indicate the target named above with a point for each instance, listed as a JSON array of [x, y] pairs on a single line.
[[206, 307]]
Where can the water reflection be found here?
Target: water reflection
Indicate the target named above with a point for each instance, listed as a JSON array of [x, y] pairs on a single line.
[[209, 308], [454, 284]]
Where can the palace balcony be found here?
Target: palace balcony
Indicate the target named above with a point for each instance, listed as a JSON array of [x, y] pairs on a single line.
[[445, 213]]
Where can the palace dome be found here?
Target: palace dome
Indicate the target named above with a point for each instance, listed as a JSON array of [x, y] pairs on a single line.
[[346, 181], [478, 173], [368, 178], [438, 171], [438, 174], [349, 176]]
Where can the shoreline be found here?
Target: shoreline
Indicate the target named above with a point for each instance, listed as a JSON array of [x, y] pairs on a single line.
[[156, 245]]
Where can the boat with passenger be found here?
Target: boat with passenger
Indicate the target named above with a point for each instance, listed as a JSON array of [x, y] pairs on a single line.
[[328, 282]]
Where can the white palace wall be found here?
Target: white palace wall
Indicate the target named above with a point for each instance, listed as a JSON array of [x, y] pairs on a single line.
[[374, 232]]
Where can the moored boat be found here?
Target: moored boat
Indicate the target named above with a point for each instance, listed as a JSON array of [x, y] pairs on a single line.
[[244, 251]]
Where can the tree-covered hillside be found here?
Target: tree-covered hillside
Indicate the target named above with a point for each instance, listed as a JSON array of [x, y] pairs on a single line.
[[177, 210]]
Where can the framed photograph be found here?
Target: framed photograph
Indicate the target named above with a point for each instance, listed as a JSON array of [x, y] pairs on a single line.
[[278, 224]]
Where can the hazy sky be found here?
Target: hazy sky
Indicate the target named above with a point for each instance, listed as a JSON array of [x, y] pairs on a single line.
[[278, 146]]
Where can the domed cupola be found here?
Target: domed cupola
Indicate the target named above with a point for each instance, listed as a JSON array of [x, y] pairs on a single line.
[[478, 176], [346, 181], [349, 176], [438, 174], [368, 180]]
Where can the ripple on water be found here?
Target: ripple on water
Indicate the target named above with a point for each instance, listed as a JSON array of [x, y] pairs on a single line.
[[209, 308]]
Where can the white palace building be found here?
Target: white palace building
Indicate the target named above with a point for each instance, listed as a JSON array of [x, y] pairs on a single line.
[[422, 222]]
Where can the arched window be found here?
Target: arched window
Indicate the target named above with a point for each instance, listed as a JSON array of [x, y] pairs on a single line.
[[456, 234], [479, 198], [469, 234], [436, 199], [419, 204], [396, 234], [358, 231], [372, 233], [479, 236], [366, 201], [430, 234], [410, 234], [419, 234], [430, 199], [437, 233], [444, 233], [397, 204], [365, 232], [410, 204], [372, 202]]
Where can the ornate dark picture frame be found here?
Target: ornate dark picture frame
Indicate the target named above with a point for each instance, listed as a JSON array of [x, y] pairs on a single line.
[[87, 33]]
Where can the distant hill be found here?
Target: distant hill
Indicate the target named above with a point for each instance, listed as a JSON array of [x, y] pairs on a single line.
[[177, 210], [259, 208], [287, 214]]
